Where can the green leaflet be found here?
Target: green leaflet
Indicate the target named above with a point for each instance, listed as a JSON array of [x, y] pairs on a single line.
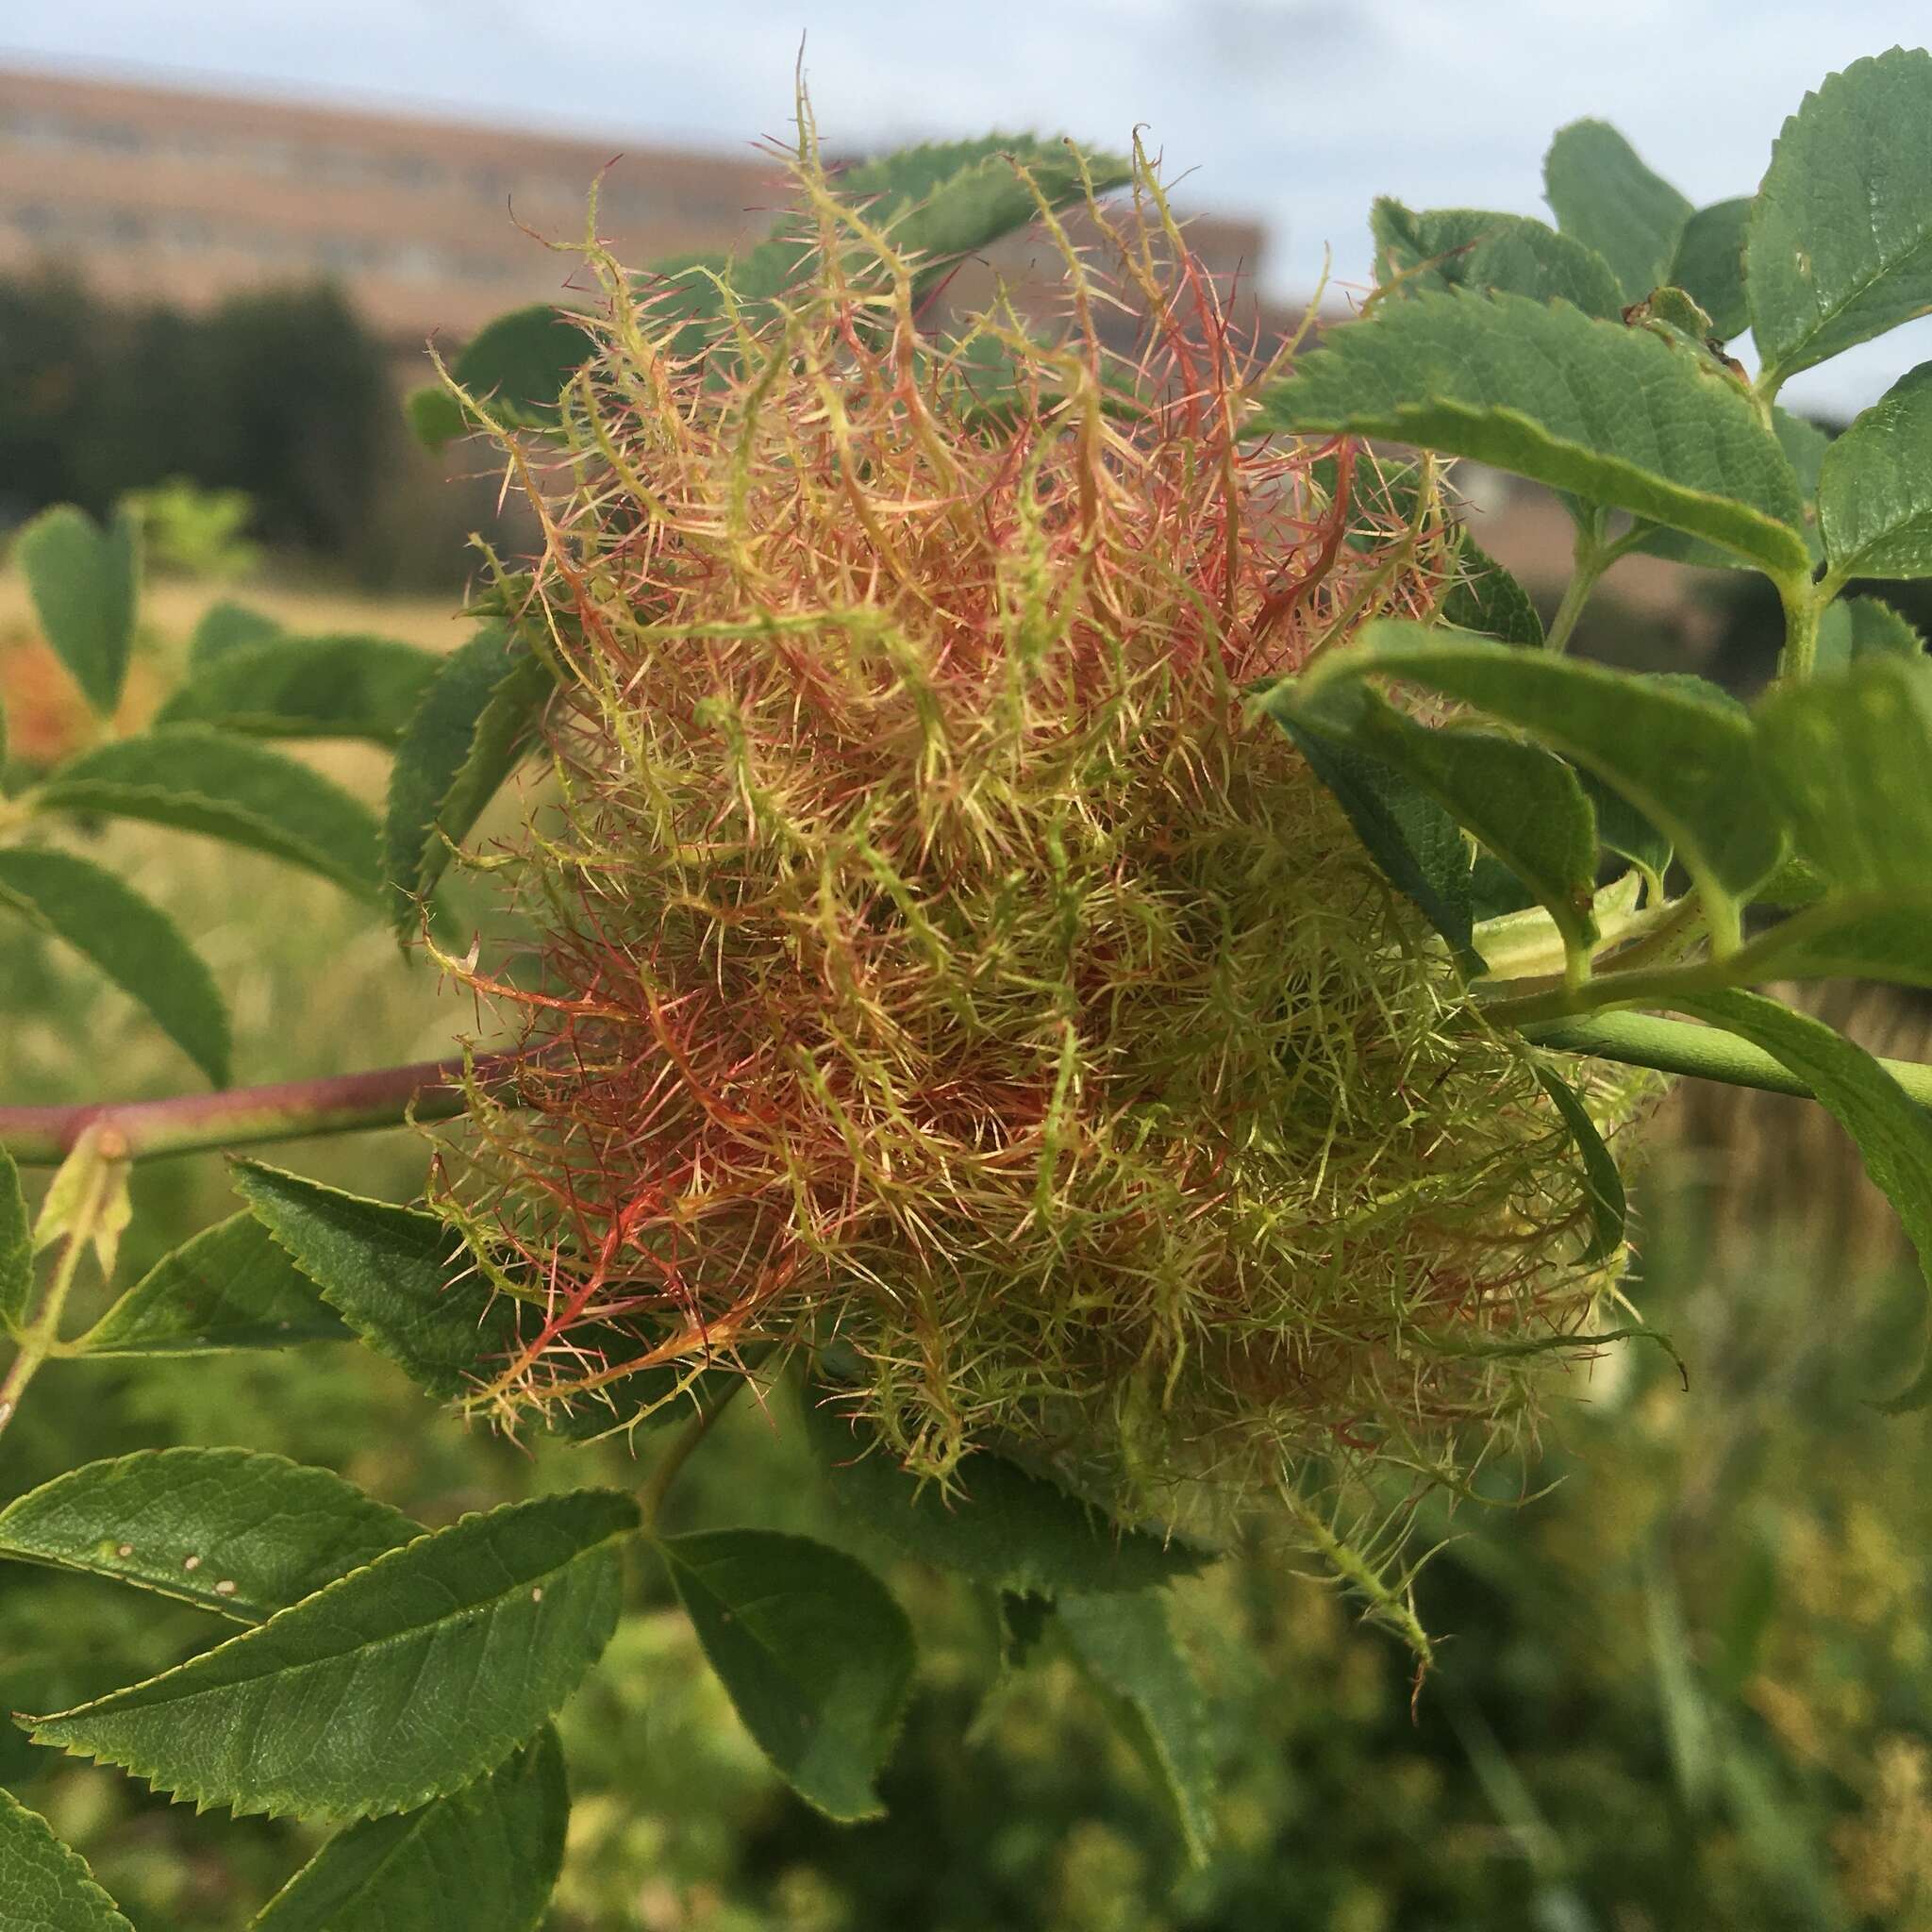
[[1605, 197], [1490, 601], [1894, 1136], [16, 1247], [1846, 758], [940, 202], [1874, 488], [404, 1282], [1803, 444], [392, 1272], [199, 780], [1621, 828], [228, 627], [1683, 754], [396, 1684], [1522, 803], [44, 1885], [1604, 1184], [1413, 841], [816, 1654], [1708, 264], [1614, 415], [954, 198], [230, 1285], [515, 367], [482, 1860], [1003, 1528], [949, 198], [1841, 239], [1124, 1642], [1855, 627], [229, 1530], [1474, 248], [1861, 936], [85, 582], [135, 943], [322, 687], [476, 721]]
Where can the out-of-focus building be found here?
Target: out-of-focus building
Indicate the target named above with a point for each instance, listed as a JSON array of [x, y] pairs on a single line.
[[157, 195]]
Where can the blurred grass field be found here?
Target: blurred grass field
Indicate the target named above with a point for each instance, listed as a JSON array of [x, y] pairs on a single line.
[[1687, 1653]]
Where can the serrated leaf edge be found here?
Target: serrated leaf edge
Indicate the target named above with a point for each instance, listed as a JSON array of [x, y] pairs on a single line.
[[204, 1799]]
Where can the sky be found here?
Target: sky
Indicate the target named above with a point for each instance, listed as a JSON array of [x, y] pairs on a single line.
[[1293, 110]]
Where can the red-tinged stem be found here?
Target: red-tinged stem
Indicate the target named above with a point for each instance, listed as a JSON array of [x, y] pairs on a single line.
[[288, 1110]]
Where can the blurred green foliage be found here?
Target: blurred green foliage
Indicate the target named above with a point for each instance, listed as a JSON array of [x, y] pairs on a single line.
[[1687, 1654], [284, 396]]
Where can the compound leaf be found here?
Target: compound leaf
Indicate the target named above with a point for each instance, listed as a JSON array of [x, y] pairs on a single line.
[[1608, 199], [814, 1648], [1003, 1527], [396, 1684], [229, 1530], [1840, 237], [482, 1860], [199, 780], [134, 942], [231, 1286], [84, 582], [1613, 415], [1124, 1642], [45, 1885], [345, 685]]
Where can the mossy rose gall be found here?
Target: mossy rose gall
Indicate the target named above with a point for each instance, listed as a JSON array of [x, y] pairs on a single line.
[[942, 960]]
